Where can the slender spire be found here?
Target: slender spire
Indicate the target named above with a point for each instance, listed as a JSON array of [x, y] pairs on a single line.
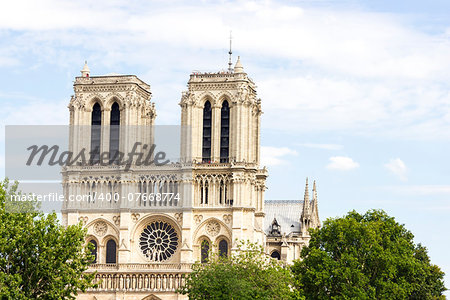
[[305, 211], [306, 190], [314, 200], [314, 192], [230, 63], [305, 218], [315, 207]]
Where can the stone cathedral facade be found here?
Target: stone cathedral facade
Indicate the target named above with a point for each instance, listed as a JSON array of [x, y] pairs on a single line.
[[144, 248]]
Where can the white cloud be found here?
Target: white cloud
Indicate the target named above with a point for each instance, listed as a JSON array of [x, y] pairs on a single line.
[[394, 108], [273, 156], [323, 69], [32, 111], [342, 163], [397, 167], [421, 190], [323, 146]]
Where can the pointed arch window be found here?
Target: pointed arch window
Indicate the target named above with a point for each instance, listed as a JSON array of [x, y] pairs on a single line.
[[224, 132], [223, 248], [111, 253], [204, 251], [275, 254], [223, 193], [114, 133], [204, 191], [206, 146], [96, 122], [93, 250]]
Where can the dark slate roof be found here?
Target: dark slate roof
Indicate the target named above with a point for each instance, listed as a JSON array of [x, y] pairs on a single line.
[[287, 213]]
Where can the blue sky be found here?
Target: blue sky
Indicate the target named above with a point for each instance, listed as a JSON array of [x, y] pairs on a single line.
[[356, 94]]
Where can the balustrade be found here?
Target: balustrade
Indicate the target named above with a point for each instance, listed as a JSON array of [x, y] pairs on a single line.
[[159, 282]]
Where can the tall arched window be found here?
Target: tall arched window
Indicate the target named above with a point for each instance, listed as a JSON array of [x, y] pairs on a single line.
[[223, 193], [224, 132], [206, 147], [111, 256], [114, 133], [204, 192], [275, 254], [204, 251], [96, 122], [221, 188], [223, 248], [94, 250]]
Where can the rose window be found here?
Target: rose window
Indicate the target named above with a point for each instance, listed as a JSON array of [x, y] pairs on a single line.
[[158, 241]]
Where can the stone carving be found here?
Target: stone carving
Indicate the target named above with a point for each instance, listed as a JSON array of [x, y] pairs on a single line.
[[123, 245], [179, 217], [100, 228], [185, 245], [76, 102], [227, 219], [135, 217], [213, 228], [116, 220], [83, 220], [198, 219]]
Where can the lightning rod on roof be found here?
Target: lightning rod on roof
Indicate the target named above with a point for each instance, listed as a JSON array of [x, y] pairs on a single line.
[[230, 69]]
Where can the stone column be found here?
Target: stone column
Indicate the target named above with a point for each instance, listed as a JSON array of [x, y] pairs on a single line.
[[186, 237], [124, 238]]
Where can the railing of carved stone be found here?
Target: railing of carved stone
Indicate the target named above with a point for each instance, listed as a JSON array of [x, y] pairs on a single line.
[[168, 167], [147, 266], [113, 282], [212, 164], [211, 74], [112, 79], [232, 163]]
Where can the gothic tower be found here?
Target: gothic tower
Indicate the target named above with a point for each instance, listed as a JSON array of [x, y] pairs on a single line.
[[224, 114]]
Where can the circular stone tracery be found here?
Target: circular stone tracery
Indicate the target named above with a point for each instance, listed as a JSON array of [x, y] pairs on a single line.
[[158, 241], [100, 228], [213, 228]]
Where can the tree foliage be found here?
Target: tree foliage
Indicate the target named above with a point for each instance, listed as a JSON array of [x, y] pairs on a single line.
[[11, 204], [39, 258], [368, 256], [248, 274]]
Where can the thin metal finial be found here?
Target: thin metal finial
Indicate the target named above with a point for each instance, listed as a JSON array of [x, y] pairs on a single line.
[[230, 69]]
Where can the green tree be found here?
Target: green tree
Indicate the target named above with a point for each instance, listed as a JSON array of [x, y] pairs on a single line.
[[248, 274], [368, 256], [13, 196], [39, 258]]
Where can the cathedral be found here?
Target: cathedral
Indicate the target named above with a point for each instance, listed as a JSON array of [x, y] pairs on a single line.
[[207, 201]]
